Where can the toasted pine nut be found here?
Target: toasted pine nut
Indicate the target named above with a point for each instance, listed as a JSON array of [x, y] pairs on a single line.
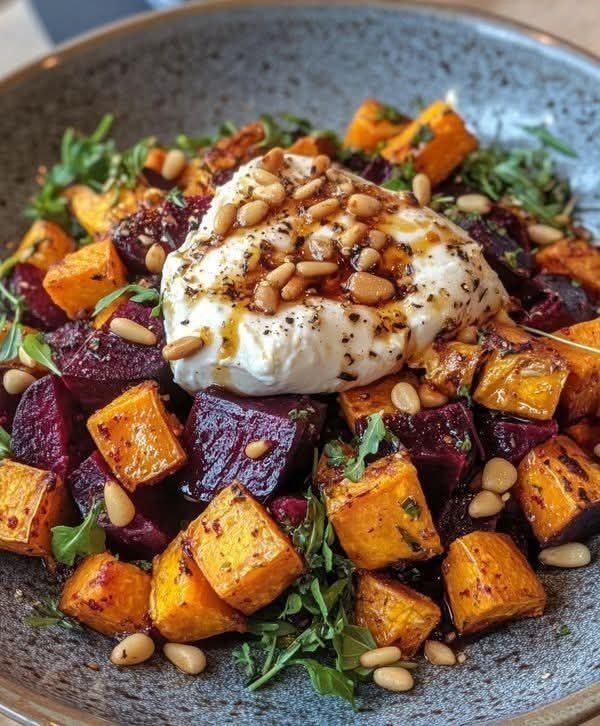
[[316, 269], [346, 187], [421, 187], [367, 259], [485, 504], [363, 205], [266, 298], [252, 213], [294, 288], [461, 658], [467, 335], [353, 235], [173, 164], [543, 234], [474, 204], [320, 248], [498, 475], [439, 654], [430, 397], [182, 347], [119, 507], [132, 331], [272, 193], [320, 165], [380, 657], [145, 240], [132, 650], [505, 497], [572, 554], [25, 358], [188, 658], [323, 209], [262, 176], [377, 239], [368, 289], [405, 398], [281, 275], [393, 678], [257, 449], [155, 258], [225, 219], [272, 160], [16, 381], [309, 189], [597, 450]]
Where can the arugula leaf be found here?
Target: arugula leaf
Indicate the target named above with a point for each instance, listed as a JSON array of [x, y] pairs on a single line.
[[46, 613], [350, 643], [548, 139], [274, 133], [175, 196], [423, 135], [293, 605], [389, 113], [86, 538], [140, 294], [327, 681], [335, 454], [11, 343], [36, 348], [5, 443], [374, 434], [401, 176], [191, 144], [243, 658]]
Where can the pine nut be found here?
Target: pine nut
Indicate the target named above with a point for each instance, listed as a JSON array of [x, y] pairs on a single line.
[[294, 288], [346, 187], [173, 164], [505, 497], [367, 259], [257, 449], [393, 679], [439, 654], [132, 331], [155, 259], [272, 193], [597, 450], [281, 275], [119, 507], [145, 240], [132, 650], [421, 187], [368, 289], [461, 658], [380, 657], [266, 298], [252, 213], [498, 475], [262, 176], [363, 206], [320, 248], [431, 397], [225, 219], [26, 359], [182, 347], [272, 160], [16, 382], [485, 504], [405, 398], [543, 234], [320, 164], [573, 554], [323, 209], [188, 658], [378, 239], [353, 235], [474, 204], [316, 269], [309, 189], [468, 334]]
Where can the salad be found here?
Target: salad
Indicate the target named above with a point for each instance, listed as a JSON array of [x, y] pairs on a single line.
[[339, 397]]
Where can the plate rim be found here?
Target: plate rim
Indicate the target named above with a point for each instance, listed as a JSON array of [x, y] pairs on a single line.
[[23, 704]]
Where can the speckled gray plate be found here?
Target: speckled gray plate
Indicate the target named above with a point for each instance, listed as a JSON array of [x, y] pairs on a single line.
[[188, 70]]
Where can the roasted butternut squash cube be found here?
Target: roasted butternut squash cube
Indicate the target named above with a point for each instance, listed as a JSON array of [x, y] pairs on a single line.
[[395, 614], [581, 393], [183, 605], [196, 179], [44, 244], [451, 365], [98, 212], [558, 488], [437, 141], [77, 282], [155, 159], [586, 434], [231, 151], [137, 437], [488, 581], [32, 501], [106, 313], [372, 123], [384, 517], [312, 146], [575, 258], [242, 552], [108, 595]]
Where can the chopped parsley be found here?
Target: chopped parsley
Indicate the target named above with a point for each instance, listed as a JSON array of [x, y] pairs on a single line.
[[299, 414], [411, 507], [46, 613], [389, 113], [464, 444], [423, 135], [563, 630]]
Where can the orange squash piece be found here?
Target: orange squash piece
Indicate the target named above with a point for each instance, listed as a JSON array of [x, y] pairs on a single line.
[[98, 212], [183, 605], [558, 488], [77, 282], [395, 614], [488, 581], [575, 258], [32, 501], [196, 179], [155, 159], [231, 151], [242, 552], [44, 244], [371, 125], [451, 365], [585, 434], [108, 595], [138, 437], [437, 141], [312, 146]]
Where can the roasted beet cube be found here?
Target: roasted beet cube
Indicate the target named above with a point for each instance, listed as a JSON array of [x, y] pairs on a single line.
[[155, 522], [455, 521], [105, 364], [509, 437], [555, 302], [221, 425], [8, 406], [48, 430], [288, 511], [40, 311], [66, 340]]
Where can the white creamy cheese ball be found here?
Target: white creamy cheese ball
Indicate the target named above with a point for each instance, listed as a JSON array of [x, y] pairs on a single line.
[[356, 316]]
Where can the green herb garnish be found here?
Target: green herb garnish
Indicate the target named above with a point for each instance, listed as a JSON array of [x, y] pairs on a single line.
[[46, 614], [5, 443], [11, 342], [374, 434], [548, 139], [563, 630], [464, 444], [86, 538], [140, 294], [423, 135], [411, 507], [36, 348], [298, 414], [175, 196], [389, 113], [335, 454]]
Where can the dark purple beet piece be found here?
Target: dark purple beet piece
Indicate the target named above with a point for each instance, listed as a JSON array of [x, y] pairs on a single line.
[[8, 405], [221, 425], [66, 340], [455, 521], [154, 525], [105, 365], [48, 431], [510, 437], [555, 303], [288, 511], [167, 224], [40, 312]]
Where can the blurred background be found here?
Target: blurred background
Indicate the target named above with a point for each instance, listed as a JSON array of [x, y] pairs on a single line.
[[30, 28]]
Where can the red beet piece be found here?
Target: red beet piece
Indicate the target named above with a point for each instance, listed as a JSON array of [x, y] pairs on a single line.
[[221, 425], [8, 405], [66, 340], [289, 511], [510, 437], [48, 430], [555, 302], [154, 524], [41, 312], [454, 519]]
